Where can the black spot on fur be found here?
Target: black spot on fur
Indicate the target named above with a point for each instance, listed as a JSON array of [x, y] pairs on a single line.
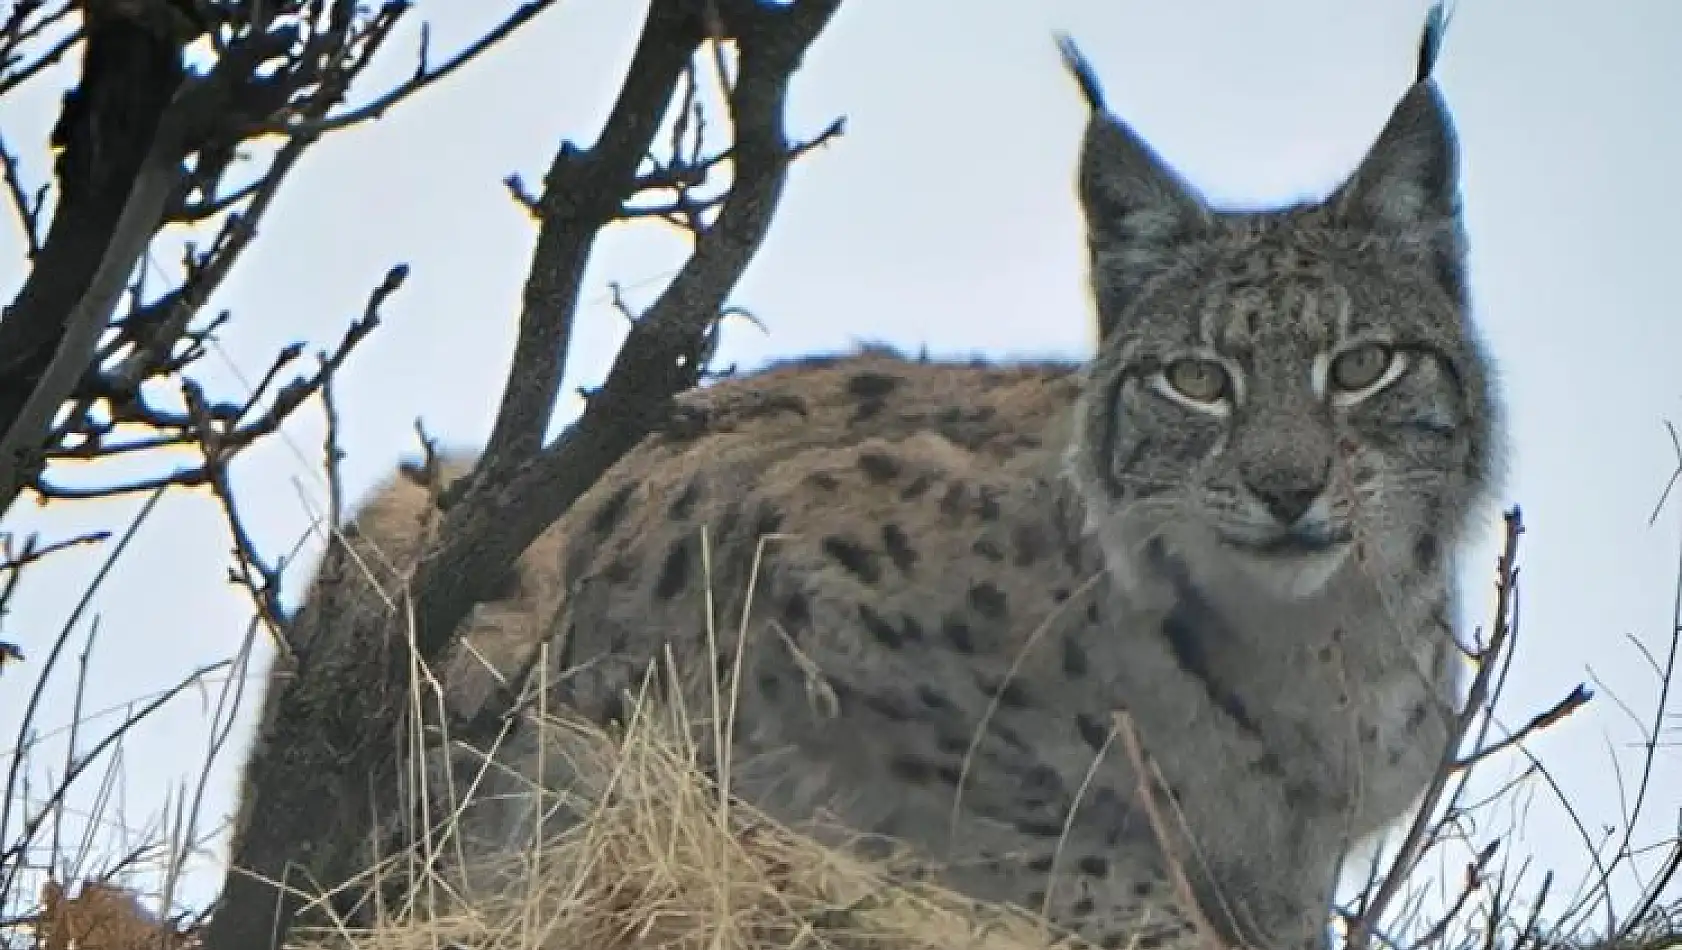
[[1029, 543], [1186, 628], [1004, 733], [988, 600], [607, 516], [952, 744], [853, 557], [730, 519], [684, 504], [1074, 659], [1416, 717], [932, 699], [871, 385], [887, 706], [898, 546], [868, 409], [1010, 693], [797, 612], [823, 480], [910, 628], [970, 428], [1093, 865], [621, 569], [917, 487], [768, 521], [1040, 864], [880, 629], [774, 403], [879, 467], [912, 770], [1306, 798], [1143, 888], [613, 708], [769, 685], [989, 549], [1082, 907], [1268, 764], [577, 562], [958, 634], [1040, 828], [956, 499], [1092, 732], [845, 696], [674, 571], [988, 506], [1427, 552], [686, 424], [1043, 785]]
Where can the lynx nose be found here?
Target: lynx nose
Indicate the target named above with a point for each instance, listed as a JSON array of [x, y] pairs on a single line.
[[1287, 495]]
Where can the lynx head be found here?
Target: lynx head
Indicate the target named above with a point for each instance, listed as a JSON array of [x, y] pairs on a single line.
[[1283, 395]]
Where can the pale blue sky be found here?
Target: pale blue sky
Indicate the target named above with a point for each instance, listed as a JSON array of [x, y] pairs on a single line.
[[946, 217]]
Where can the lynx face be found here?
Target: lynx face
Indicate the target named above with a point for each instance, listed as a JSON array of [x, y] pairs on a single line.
[[1279, 395]]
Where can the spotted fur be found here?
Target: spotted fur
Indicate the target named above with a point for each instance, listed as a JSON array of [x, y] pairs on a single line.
[[1232, 533]]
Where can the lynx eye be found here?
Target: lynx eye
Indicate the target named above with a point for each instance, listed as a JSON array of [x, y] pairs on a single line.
[[1361, 367], [1197, 380]]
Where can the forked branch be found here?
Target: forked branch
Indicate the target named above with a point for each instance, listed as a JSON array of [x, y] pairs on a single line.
[[327, 761]]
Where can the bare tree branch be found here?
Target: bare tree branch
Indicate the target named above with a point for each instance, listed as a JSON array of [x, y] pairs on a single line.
[[1362, 930], [582, 192], [425, 75], [144, 144], [321, 770], [131, 72]]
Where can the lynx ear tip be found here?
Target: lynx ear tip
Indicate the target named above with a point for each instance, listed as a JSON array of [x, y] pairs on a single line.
[[1431, 41], [1081, 70]]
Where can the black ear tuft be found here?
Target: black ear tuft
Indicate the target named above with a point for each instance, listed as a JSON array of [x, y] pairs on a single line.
[[1138, 211], [1431, 40], [1082, 70]]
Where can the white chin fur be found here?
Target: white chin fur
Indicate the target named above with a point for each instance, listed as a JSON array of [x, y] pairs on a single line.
[[1295, 577], [1214, 563]]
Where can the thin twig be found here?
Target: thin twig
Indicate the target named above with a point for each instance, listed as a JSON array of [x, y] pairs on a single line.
[[421, 79], [1408, 853]]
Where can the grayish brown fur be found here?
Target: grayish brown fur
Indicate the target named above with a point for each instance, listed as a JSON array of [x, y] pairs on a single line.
[[977, 566]]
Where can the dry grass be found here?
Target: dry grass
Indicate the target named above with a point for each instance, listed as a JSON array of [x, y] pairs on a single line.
[[662, 859]]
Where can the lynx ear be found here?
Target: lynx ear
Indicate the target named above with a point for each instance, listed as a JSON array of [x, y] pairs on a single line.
[[1409, 179], [1407, 188], [1137, 209]]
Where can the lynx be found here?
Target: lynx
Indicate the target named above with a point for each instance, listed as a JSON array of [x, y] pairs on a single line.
[[1237, 526], [965, 603]]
